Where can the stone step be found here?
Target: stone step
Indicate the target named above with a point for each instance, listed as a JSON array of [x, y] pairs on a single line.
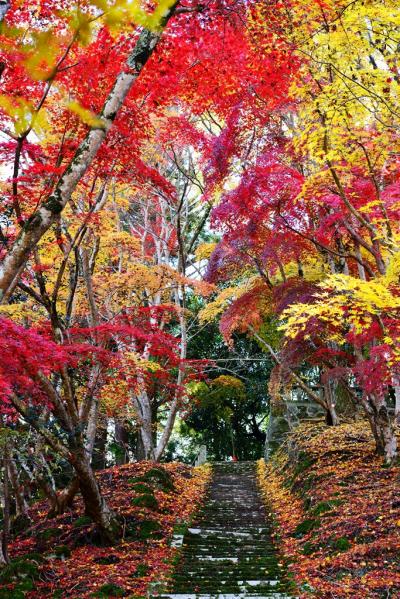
[[242, 577], [223, 596], [229, 551], [213, 541], [225, 562], [225, 538], [257, 549], [263, 591], [226, 574], [207, 559], [210, 530], [222, 583]]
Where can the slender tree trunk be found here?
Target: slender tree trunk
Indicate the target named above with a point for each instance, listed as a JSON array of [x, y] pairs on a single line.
[[6, 510], [143, 410], [173, 411], [3, 558], [21, 506], [91, 428], [332, 418], [4, 8], [387, 445], [40, 478], [121, 439]]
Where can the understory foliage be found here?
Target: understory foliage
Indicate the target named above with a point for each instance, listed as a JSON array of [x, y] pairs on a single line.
[[337, 512], [63, 556]]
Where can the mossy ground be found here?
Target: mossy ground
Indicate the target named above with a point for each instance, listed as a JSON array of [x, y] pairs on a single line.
[[59, 557]]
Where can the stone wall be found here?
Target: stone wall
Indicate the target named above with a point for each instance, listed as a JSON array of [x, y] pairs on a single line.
[[285, 416]]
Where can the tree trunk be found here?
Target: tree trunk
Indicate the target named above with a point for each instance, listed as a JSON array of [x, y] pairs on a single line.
[[63, 500], [173, 410], [331, 415], [143, 410], [6, 510], [122, 441], [21, 506], [139, 451], [95, 505], [77, 455], [147, 440], [387, 444], [3, 558], [99, 449], [382, 428], [396, 389]]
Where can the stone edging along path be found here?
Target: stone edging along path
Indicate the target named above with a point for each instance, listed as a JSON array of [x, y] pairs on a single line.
[[229, 551]]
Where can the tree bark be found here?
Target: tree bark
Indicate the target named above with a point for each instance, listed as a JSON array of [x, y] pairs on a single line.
[[63, 500], [49, 211], [386, 437], [21, 506], [142, 405], [95, 505], [4, 8], [331, 415], [6, 510], [173, 411], [99, 449], [121, 439], [396, 390], [382, 427]]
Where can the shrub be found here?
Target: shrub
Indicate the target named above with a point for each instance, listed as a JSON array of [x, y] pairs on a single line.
[[149, 529], [325, 506], [309, 548], [305, 527], [340, 544], [19, 569], [110, 590], [141, 570], [160, 478], [141, 488], [145, 500], [49, 533], [82, 521]]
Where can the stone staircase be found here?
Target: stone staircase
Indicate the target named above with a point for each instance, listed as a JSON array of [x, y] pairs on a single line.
[[229, 552]]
